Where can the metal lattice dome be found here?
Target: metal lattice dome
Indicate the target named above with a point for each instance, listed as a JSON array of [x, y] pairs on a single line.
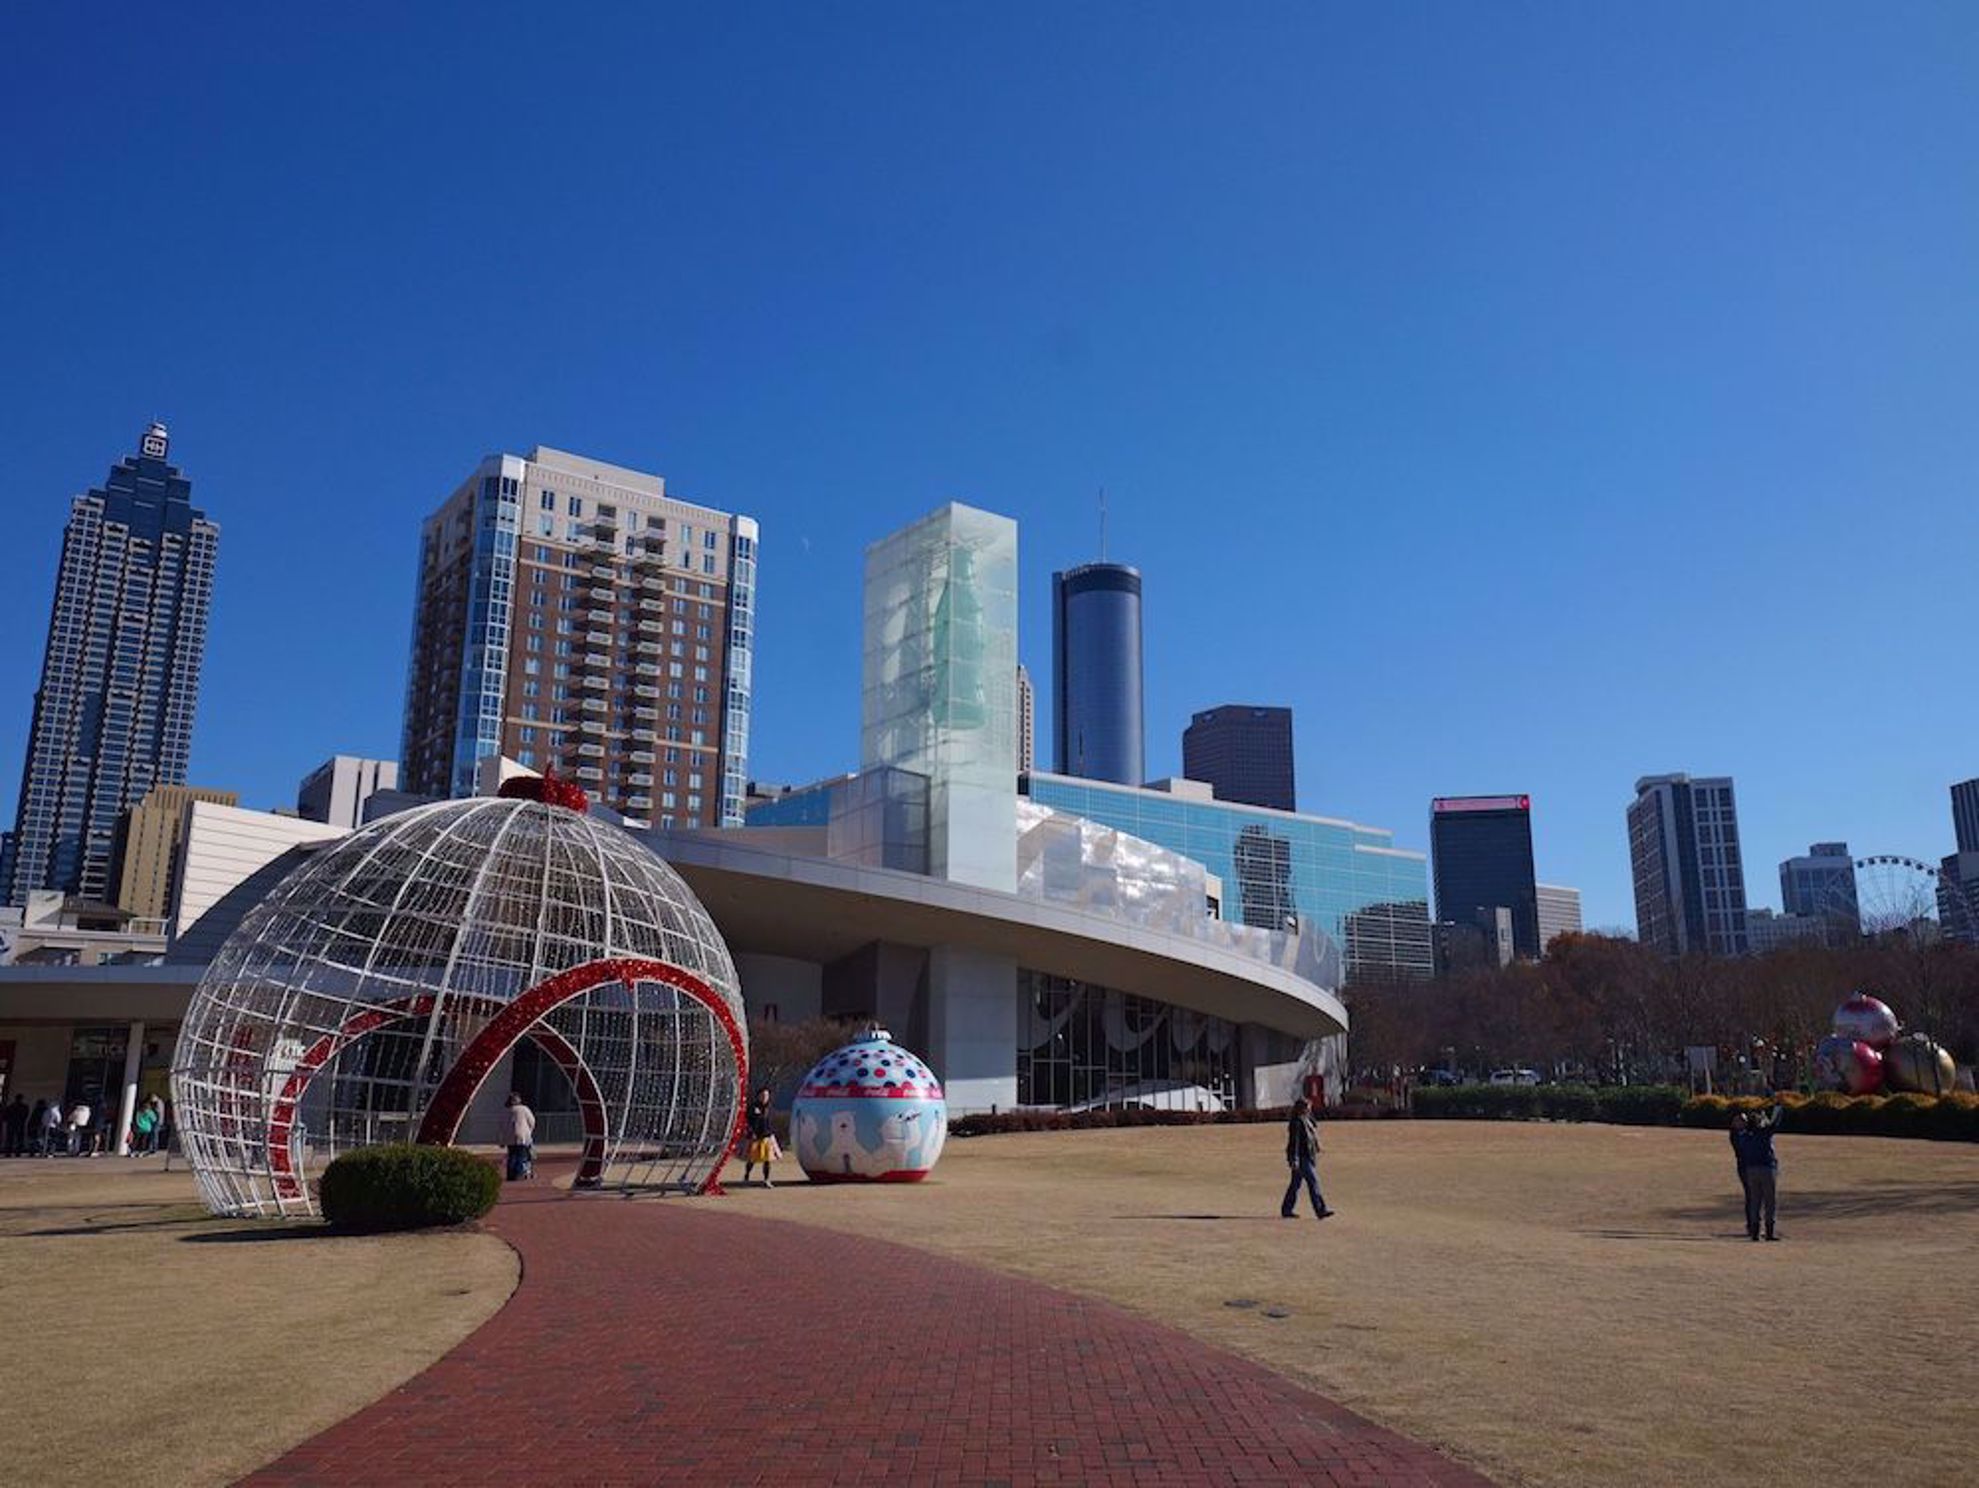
[[373, 992]]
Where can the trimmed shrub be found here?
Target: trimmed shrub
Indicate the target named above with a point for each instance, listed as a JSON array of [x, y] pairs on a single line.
[[407, 1187], [1713, 1112], [1642, 1105], [1941, 1118], [1633, 1105], [987, 1125]]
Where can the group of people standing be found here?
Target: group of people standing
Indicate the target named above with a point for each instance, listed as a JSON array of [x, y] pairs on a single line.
[[762, 1148], [51, 1129]]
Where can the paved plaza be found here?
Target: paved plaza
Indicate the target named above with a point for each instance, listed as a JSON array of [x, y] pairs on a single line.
[[657, 1341]]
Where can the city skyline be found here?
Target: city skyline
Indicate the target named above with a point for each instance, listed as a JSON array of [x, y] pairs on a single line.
[[1361, 366]]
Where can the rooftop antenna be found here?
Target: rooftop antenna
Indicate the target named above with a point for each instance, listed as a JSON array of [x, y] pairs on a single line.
[[1102, 524]]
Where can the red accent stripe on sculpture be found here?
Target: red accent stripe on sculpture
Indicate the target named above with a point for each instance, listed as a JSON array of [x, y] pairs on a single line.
[[449, 1105], [281, 1119]]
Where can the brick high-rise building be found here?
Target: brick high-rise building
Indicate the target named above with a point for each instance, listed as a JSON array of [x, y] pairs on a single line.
[[119, 677], [572, 615]]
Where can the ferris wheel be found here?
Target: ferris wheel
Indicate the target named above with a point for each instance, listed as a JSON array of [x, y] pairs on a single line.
[[1896, 893]]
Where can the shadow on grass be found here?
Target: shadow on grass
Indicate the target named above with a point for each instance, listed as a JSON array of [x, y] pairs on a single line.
[[1207, 1218], [260, 1233], [165, 1219], [1870, 1200]]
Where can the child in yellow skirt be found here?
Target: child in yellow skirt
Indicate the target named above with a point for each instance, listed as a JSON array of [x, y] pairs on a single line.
[[762, 1146]]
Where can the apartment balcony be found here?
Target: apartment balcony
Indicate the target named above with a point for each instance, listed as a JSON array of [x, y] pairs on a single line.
[[598, 614], [591, 750], [641, 756], [598, 639], [595, 705], [645, 690]]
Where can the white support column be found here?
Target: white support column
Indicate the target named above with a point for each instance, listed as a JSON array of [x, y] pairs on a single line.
[[972, 1028], [127, 1103]]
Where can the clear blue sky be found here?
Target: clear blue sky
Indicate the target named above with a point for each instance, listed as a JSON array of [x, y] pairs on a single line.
[[1532, 396]]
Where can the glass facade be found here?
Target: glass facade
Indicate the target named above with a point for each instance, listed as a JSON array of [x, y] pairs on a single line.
[[1244, 753], [1096, 673], [1481, 848], [1277, 868], [1082, 1045], [120, 675], [1821, 885], [939, 682]]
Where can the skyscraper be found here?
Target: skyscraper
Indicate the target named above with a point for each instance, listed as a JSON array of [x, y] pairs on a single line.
[[149, 837], [336, 790], [1027, 722], [1958, 872], [120, 675], [1684, 856], [573, 615], [1096, 673], [1244, 752], [1965, 815], [1821, 886], [1559, 913], [1480, 851]]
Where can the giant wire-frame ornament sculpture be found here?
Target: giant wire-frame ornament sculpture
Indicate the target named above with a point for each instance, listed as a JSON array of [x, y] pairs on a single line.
[[370, 996]]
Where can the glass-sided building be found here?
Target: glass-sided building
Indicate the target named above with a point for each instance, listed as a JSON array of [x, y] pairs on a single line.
[[1279, 870]]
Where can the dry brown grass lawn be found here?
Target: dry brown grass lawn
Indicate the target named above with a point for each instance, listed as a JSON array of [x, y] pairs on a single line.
[[1556, 1304], [148, 1343]]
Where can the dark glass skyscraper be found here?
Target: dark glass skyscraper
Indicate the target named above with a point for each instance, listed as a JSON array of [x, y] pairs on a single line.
[[1096, 673], [1965, 815], [120, 676], [1480, 851], [1244, 752]]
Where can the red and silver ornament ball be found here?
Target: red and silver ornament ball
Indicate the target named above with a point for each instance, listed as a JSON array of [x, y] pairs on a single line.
[[1867, 1020]]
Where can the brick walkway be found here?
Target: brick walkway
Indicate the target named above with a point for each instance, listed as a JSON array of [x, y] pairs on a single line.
[[658, 1342]]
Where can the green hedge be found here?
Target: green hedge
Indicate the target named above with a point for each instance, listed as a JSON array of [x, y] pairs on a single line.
[[406, 1187], [1624, 1105], [1938, 1118], [986, 1125]]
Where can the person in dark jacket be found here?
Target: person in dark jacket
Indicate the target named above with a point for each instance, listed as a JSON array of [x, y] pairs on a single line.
[[37, 1129], [1758, 1168], [761, 1138], [1302, 1157], [16, 1125]]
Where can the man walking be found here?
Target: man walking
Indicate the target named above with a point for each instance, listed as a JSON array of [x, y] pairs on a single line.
[[521, 1138], [1302, 1157]]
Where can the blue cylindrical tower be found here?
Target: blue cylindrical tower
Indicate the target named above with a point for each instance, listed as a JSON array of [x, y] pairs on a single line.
[[1096, 672]]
